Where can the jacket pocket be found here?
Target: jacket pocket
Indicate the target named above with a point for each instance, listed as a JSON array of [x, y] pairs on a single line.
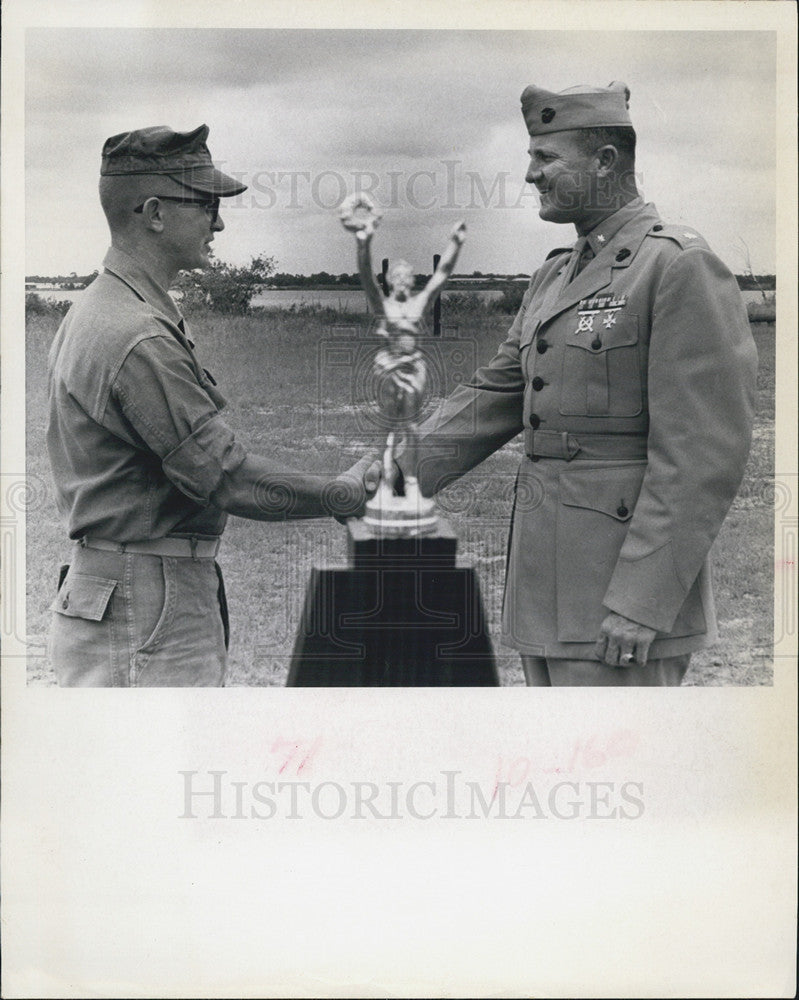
[[602, 367], [594, 510], [82, 596]]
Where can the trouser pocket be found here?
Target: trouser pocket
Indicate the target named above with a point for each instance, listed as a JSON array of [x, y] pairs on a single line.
[[152, 609], [183, 608], [223, 610], [84, 630]]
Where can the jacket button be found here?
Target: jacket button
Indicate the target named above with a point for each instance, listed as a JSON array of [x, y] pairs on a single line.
[[538, 383], [535, 421], [596, 343], [623, 254], [622, 511], [657, 228], [65, 602], [542, 347]]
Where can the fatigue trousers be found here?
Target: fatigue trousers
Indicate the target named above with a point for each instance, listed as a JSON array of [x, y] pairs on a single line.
[[134, 620], [542, 671]]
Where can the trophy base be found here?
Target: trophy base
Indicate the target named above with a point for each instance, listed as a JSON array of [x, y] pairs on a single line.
[[389, 515], [402, 614]]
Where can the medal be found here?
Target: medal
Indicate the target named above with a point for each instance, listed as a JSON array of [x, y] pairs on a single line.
[[602, 302]]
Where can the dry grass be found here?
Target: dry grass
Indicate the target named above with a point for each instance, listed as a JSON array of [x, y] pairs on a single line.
[[296, 383]]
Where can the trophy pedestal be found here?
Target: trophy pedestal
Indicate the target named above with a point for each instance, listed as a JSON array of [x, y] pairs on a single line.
[[401, 615], [388, 515]]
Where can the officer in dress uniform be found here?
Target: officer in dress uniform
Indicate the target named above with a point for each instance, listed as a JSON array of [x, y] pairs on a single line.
[[630, 368], [146, 469]]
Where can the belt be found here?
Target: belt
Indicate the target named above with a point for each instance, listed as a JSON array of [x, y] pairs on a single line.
[[194, 547], [562, 444]]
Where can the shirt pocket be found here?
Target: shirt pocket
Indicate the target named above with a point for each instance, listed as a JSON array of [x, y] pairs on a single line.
[[602, 367], [83, 596], [594, 510]]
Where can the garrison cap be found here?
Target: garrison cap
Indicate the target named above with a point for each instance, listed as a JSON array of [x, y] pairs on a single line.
[[577, 107], [183, 156]]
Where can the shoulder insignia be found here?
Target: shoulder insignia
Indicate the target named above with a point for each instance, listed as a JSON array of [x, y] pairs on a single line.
[[684, 237], [559, 250]]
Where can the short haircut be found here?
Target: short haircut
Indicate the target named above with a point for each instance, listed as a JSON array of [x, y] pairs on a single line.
[[620, 136], [121, 193]]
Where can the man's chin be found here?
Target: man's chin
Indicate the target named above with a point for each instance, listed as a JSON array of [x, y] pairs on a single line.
[[551, 213]]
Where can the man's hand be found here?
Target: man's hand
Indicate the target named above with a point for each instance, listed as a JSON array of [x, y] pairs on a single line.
[[371, 474], [623, 642], [349, 492]]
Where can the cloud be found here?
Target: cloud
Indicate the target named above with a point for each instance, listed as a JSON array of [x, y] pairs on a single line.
[[393, 104]]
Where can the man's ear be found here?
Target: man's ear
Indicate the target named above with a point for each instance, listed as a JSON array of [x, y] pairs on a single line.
[[608, 157], [153, 216]]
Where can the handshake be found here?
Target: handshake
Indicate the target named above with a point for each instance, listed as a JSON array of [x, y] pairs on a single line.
[[349, 491]]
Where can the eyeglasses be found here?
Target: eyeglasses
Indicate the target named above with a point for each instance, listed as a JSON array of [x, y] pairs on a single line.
[[211, 207]]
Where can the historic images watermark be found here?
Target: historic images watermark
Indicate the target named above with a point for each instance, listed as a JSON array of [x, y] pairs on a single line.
[[444, 184], [217, 795]]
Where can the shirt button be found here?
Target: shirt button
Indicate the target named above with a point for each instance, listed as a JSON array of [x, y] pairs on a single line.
[[535, 421], [622, 511], [542, 347], [65, 602], [538, 383]]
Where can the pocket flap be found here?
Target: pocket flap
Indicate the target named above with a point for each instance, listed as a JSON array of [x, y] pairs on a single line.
[[594, 335], [610, 491], [82, 596]]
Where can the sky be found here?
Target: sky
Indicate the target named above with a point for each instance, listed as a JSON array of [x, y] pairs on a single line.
[[428, 120]]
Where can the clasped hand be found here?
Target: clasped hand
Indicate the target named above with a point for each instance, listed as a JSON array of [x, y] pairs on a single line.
[[357, 485]]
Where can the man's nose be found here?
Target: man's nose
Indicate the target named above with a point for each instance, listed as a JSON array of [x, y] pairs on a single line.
[[533, 173], [218, 225]]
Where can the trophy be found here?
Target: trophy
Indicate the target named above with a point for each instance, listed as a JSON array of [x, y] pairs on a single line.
[[400, 372], [402, 613]]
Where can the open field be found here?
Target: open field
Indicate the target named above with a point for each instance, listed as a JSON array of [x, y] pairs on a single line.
[[297, 385]]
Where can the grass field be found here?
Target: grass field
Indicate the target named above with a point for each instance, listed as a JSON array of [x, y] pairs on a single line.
[[297, 385]]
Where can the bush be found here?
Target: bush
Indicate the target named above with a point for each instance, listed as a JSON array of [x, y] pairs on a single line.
[[224, 288], [512, 293], [37, 305], [764, 311], [463, 305]]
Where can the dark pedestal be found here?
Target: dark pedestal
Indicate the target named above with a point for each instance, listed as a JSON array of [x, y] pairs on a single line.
[[402, 615]]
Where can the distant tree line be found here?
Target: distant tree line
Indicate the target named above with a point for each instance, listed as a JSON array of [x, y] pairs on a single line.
[[321, 279], [756, 282], [69, 282], [228, 289]]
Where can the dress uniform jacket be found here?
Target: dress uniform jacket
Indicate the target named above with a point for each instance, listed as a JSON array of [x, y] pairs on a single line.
[[634, 384]]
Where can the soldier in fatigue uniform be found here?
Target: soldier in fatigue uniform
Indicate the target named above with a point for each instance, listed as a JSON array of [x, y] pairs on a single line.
[[630, 368], [146, 469]]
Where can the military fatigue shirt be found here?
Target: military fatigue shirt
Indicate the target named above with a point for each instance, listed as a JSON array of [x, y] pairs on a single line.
[[134, 435]]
